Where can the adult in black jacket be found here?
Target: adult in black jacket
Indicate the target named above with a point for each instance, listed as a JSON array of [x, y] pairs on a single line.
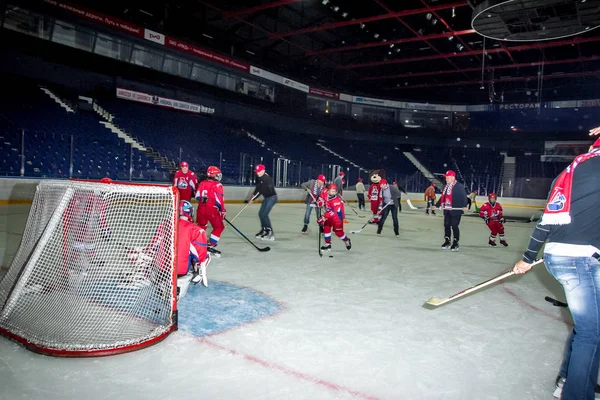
[[266, 188], [454, 202]]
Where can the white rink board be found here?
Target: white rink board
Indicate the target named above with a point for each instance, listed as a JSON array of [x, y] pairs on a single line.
[[353, 325]]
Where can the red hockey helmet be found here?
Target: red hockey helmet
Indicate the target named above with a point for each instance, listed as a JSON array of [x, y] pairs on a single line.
[[106, 180], [342, 173], [322, 178], [184, 164], [492, 196], [214, 172], [332, 186], [186, 210]]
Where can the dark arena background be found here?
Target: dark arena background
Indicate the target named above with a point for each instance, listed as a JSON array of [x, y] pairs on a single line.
[[504, 93]]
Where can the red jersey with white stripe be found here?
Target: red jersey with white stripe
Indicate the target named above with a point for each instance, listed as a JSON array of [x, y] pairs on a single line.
[[191, 243], [334, 209], [210, 194], [186, 183], [493, 212]]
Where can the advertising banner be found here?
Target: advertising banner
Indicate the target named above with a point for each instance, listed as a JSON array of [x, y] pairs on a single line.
[[163, 102]]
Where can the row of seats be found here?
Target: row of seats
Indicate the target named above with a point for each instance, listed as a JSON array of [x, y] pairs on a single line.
[[42, 138]]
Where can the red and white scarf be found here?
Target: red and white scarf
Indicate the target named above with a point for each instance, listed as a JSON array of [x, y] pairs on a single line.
[[558, 207], [447, 195]]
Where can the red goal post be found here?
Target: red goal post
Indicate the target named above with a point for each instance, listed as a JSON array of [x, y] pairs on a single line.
[[95, 273]]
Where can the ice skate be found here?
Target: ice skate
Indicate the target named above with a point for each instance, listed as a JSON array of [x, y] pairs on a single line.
[[446, 244], [261, 233], [454, 246], [268, 235], [348, 244]]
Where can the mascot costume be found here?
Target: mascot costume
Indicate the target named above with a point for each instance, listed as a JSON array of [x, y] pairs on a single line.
[[374, 193]]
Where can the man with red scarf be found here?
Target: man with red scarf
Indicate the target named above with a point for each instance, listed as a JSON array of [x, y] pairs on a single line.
[[569, 227], [453, 202]]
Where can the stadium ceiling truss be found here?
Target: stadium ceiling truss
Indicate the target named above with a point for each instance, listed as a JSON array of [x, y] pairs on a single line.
[[377, 47]]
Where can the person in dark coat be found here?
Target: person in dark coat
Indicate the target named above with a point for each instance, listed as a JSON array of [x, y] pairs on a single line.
[[453, 202]]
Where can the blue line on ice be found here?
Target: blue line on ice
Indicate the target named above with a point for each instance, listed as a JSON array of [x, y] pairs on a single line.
[[221, 306]]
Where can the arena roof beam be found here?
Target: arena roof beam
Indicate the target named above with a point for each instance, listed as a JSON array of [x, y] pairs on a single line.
[[477, 69], [262, 7], [417, 34], [576, 40], [500, 80], [261, 29], [340, 24], [397, 41]]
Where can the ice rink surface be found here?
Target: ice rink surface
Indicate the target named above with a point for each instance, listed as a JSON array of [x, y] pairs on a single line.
[[347, 327]]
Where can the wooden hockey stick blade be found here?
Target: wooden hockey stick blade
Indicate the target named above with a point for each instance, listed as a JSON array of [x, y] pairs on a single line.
[[410, 204], [434, 301]]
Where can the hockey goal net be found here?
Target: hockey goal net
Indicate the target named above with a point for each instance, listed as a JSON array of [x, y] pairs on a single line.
[[95, 270]]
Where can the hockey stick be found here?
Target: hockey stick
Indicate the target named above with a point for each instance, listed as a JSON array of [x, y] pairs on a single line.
[[352, 208], [372, 218], [242, 210], [434, 301], [411, 205], [319, 229], [244, 236], [555, 302], [319, 242]]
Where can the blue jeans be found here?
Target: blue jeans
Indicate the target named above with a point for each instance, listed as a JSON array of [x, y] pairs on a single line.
[[265, 209], [580, 278], [309, 211]]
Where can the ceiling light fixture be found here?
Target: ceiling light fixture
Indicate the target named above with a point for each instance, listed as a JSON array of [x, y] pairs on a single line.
[[362, 26], [336, 9], [460, 47], [376, 35], [392, 46], [345, 14], [325, 2]]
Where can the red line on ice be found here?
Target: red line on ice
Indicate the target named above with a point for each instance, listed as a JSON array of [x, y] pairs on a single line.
[[539, 310], [289, 371]]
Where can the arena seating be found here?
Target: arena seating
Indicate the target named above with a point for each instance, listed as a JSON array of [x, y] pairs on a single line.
[[50, 138]]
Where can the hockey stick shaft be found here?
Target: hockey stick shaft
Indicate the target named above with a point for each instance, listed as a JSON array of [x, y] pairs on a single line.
[[248, 240], [372, 218], [437, 302], [352, 208], [244, 208]]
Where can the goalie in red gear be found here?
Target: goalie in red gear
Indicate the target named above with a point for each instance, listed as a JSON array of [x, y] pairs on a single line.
[[191, 250], [492, 214], [333, 217], [211, 205]]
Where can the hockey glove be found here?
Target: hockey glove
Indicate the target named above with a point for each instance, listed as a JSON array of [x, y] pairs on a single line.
[[321, 221], [487, 220], [223, 214], [320, 203]]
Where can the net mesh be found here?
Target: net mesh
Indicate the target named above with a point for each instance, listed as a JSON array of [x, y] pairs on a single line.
[[94, 270]]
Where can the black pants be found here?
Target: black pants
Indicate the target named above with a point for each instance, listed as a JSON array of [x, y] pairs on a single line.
[[361, 200], [469, 202], [451, 222], [384, 214]]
